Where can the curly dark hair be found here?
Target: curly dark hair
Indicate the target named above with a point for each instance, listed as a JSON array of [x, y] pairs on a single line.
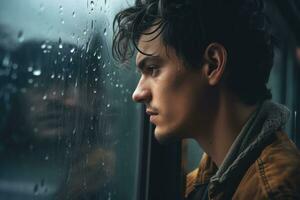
[[189, 26]]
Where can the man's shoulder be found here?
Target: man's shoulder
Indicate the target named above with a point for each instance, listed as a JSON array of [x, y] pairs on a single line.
[[276, 172]]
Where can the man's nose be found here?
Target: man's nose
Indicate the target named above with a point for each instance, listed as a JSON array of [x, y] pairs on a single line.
[[141, 94]]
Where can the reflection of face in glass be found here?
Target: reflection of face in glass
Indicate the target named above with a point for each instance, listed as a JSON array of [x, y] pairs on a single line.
[[52, 112], [51, 97]]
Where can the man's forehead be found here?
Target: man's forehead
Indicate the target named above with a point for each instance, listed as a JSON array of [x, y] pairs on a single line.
[[150, 44]]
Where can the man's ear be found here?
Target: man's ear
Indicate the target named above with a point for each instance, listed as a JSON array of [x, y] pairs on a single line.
[[215, 58]]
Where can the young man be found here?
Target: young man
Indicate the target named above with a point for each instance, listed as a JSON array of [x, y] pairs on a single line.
[[204, 68]]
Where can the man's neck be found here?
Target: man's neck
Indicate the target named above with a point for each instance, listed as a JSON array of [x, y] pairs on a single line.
[[228, 122]]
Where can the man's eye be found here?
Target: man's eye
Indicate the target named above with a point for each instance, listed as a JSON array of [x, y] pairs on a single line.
[[152, 70]]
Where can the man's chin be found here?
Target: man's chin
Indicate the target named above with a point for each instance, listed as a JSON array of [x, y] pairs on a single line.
[[165, 137]]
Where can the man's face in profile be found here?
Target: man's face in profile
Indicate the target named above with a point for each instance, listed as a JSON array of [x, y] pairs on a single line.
[[174, 95]]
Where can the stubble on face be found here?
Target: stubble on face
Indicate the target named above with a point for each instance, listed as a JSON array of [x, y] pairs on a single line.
[[176, 92]]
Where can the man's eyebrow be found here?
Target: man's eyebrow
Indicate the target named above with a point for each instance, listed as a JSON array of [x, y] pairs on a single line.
[[141, 64]]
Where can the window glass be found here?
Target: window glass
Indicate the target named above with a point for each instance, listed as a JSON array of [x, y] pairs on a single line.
[[68, 128]]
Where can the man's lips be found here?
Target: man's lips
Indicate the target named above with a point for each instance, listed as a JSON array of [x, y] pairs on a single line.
[[151, 112]]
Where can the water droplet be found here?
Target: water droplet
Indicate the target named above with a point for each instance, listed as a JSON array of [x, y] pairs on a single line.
[[95, 91], [42, 7], [44, 97], [37, 72], [43, 46], [94, 69], [60, 43], [92, 4], [104, 65], [52, 76], [6, 61], [35, 189], [62, 21], [108, 105], [117, 85], [49, 46], [96, 79], [73, 14], [46, 157], [61, 9], [84, 32], [105, 32], [99, 57], [21, 36], [30, 81], [72, 50]]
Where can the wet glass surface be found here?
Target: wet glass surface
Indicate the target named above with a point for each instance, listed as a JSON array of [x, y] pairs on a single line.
[[68, 128]]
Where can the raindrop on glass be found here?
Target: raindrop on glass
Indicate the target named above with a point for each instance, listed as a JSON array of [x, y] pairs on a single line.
[[30, 80], [35, 189], [61, 9], [52, 76], [105, 32], [44, 97], [42, 7], [72, 50], [95, 91], [46, 157], [32, 108], [108, 105], [20, 36], [96, 79], [37, 72], [60, 43], [6, 61], [43, 46], [73, 14], [62, 21]]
